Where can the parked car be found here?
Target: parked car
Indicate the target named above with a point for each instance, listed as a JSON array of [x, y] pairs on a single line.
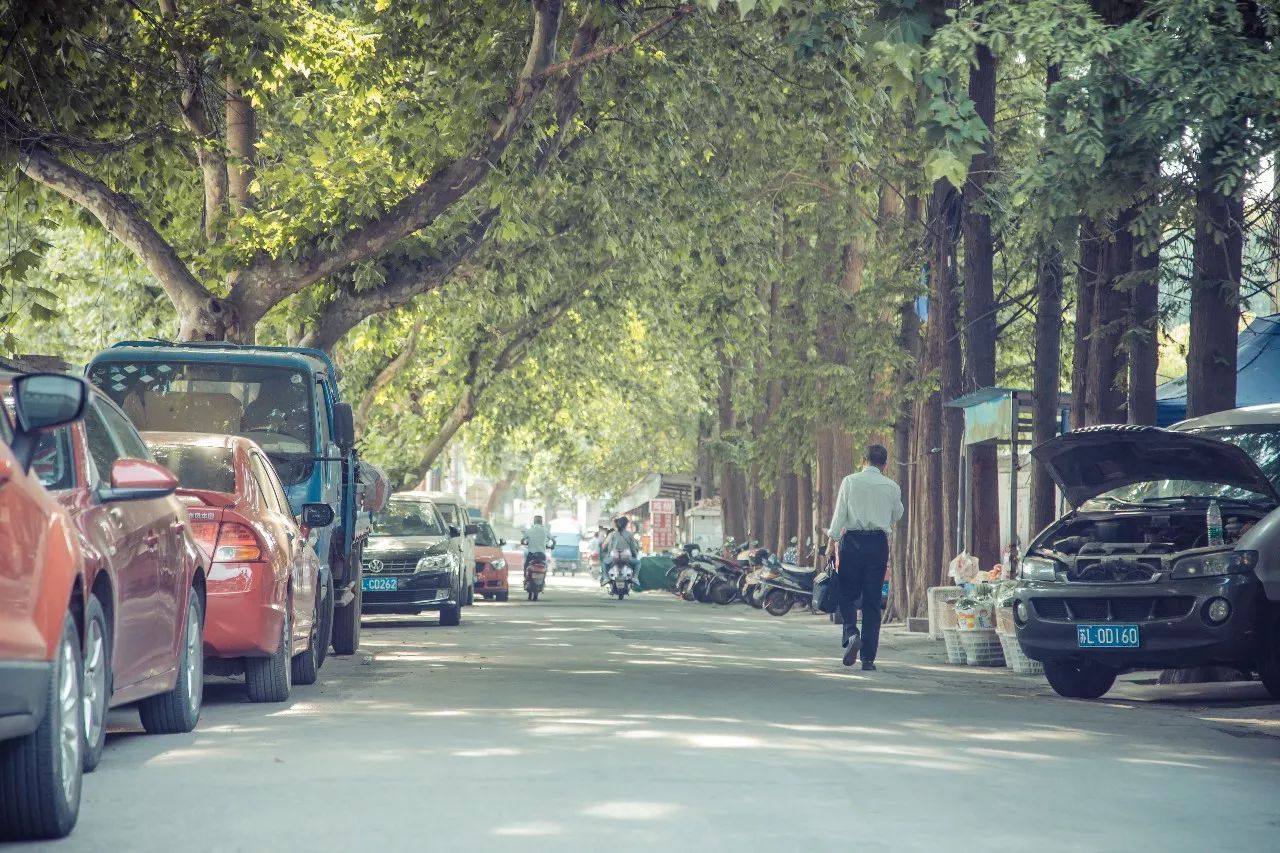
[[491, 565], [1134, 577], [286, 400], [413, 562], [144, 575], [42, 586], [454, 510], [269, 611]]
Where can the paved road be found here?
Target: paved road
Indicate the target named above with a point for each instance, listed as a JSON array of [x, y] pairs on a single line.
[[581, 724]]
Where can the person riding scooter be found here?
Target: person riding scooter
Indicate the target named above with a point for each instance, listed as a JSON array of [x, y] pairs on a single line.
[[623, 541], [535, 540]]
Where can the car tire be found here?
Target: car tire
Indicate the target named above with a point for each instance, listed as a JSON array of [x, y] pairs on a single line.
[[326, 620], [1079, 679], [346, 626], [178, 711], [471, 594], [451, 617], [305, 666], [41, 774], [503, 596], [95, 682], [271, 679], [1268, 663]]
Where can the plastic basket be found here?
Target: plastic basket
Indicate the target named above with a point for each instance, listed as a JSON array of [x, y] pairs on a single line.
[[955, 651], [941, 614], [981, 648], [1016, 659], [1004, 620]]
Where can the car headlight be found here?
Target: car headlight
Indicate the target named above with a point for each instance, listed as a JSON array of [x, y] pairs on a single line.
[[436, 563], [1214, 565], [1038, 569], [498, 565]]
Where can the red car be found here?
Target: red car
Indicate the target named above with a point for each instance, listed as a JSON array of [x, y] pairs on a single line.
[[141, 587], [491, 565], [270, 608], [41, 644]]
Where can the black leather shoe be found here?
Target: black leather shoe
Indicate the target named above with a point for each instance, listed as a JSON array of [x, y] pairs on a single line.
[[868, 667], [851, 649]]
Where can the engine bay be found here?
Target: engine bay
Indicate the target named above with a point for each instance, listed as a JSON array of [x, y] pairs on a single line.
[[1132, 546]]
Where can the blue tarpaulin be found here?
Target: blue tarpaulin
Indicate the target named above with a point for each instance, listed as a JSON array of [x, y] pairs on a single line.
[[1257, 373]]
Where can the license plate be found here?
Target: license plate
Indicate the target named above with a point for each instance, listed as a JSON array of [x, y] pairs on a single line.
[[379, 584], [1107, 636]]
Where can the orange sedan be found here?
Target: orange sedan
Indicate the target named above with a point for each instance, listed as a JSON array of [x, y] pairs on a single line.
[[270, 603]]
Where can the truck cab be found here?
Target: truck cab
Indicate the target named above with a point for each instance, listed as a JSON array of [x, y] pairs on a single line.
[[284, 398]]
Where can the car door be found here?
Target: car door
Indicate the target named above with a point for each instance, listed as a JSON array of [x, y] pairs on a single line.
[[278, 517], [131, 561]]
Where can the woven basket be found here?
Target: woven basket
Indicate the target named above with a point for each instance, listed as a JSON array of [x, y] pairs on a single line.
[[1016, 659], [982, 648], [955, 651]]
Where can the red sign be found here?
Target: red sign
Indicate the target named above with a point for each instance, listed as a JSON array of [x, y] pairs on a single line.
[[662, 523]]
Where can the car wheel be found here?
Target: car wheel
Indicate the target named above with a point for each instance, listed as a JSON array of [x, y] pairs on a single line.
[[41, 774], [451, 617], [471, 594], [778, 602], [503, 596], [346, 625], [97, 683], [1268, 663], [270, 679], [305, 666], [326, 620], [1079, 679], [178, 711]]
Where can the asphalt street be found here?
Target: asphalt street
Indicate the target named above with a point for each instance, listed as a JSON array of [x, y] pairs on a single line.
[[583, 723]]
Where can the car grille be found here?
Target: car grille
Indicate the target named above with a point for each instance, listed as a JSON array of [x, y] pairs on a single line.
[[392, 565], [1128, 609]]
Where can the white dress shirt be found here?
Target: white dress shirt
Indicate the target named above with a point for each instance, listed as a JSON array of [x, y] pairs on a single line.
[[868, 500]]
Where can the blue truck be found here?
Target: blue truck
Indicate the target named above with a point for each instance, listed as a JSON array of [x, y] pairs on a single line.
[[284, 398]]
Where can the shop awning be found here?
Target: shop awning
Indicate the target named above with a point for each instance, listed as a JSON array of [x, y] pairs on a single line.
[[650, 486]]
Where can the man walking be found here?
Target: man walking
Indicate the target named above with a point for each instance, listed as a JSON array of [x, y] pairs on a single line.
[[868, 506]]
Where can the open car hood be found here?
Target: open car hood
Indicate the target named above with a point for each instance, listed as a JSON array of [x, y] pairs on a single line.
[[1087, 462]]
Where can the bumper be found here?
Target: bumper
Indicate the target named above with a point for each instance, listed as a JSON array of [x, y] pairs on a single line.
[[245, 611], [426, 591], [490, 580], [23, 686], [1174, 631]]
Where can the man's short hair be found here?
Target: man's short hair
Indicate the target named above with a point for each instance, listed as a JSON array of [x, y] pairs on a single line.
[[877, 455], [537, 519]]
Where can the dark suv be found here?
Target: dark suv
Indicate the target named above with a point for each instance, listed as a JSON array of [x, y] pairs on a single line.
[[1133, 577], [411, 562]]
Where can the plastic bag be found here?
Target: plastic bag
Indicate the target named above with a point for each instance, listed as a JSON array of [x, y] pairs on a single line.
[[963, 568]]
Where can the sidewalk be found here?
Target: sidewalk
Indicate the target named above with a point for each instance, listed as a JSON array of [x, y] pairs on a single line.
[[1244, 709]]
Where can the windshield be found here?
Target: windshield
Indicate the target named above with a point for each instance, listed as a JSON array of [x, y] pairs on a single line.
[[271, 405], [208, 468], [407, 518], [485, 535], [1262, 443]]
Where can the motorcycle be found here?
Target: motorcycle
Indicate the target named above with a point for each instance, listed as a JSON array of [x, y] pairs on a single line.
[[620, 574], [535, 577], [783, 586], [751, 583]]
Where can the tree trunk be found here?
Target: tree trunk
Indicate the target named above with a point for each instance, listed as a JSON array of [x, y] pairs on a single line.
[[1215, 296], [499, 494], [908, 342], [733, 506], [804, 513], [1144, 336], [1048, 369], [947, 223], [1105, 394], [242, 135], [788, 513], [1088, 273], [386, 376]]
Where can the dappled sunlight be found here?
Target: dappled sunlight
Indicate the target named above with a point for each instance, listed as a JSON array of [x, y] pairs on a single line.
[[490, 752], [530, 830], [628, 810]]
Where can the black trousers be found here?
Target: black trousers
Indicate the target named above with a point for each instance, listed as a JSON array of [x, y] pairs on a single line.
[[864, 558]]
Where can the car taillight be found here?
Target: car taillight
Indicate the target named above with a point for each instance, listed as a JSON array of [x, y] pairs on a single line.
[[236, 542], [205, 533]]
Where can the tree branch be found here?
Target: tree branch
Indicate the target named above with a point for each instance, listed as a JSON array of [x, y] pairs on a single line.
[[388, 374], [119, 214]]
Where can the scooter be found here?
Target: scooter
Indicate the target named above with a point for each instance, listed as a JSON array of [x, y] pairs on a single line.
[[535, 577], [621, 576], [784, 586]]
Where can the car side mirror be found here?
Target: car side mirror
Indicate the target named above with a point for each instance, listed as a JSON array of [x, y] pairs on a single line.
[[138, 480], [42, 402], [317, 515], [502, 542], [344, 426], [454, 533], [472, 530]]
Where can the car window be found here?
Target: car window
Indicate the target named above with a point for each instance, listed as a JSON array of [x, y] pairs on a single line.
[[450, 513], [204, 467], [271, 484], [102, 447], [131, 446], [6, 429], [408, 518], [52, 463], [485, 535]]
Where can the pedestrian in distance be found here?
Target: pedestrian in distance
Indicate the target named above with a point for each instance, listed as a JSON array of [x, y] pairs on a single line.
[[867, 507]]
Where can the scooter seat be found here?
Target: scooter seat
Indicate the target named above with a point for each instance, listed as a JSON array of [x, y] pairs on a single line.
[[798, 570]]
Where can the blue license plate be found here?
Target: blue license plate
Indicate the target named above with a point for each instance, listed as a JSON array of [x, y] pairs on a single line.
[[379, 584], [1107, 636]]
